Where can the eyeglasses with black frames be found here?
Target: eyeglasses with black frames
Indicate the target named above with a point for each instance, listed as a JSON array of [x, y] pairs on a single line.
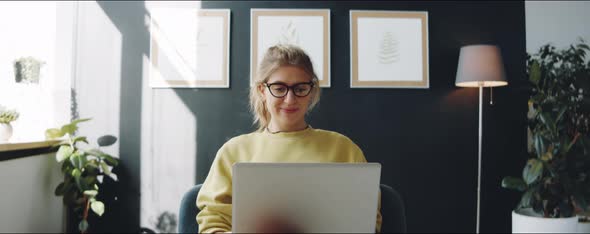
[[280, 90]]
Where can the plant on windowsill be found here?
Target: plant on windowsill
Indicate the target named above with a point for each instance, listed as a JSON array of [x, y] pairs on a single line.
[[83, 171], [27, 70], [6, 116], [555, 180]]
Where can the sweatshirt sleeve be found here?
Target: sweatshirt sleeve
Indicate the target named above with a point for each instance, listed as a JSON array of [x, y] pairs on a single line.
[[215, 197]]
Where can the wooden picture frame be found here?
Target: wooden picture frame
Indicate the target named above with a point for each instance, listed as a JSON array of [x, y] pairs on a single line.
[[189, 48], [306, 28], [389, 49]]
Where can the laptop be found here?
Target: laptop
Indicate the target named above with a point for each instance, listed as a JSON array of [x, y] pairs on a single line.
[[313, 197]]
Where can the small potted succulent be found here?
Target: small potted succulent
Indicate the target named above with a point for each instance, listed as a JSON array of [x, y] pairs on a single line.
[[555, 181], [6, 116], [27, 70]]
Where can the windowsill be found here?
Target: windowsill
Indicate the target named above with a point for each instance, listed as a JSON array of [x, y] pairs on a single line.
[[26, 145]]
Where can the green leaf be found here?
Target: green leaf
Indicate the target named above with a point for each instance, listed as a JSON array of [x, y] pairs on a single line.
[[76, 174], [535, 73], [114, 176], [59, 190], [72, 127], [110, 160], [88, 181], [105, 168], [547, 120], [106, 140], [66, 167], [547, 156], [63, 153], [53, 133], [75, 122], [69, 128], [532, 171], [78, 160], [97, 207], [68, 185], [537, 98], [514, 183], [92, 164], [526, 199], [539, 144], [91, 170], [80, 138], [83, 225], [94, 152], [90, 193], [68, 198], [560, 114]]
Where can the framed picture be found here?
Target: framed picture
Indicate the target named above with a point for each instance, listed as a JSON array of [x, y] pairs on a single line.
[[306, 28], [388, 49], [189, 48]]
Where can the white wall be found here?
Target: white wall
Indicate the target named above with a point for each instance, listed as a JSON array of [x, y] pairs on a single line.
[[97, 74], [558, 22], [27, 203]]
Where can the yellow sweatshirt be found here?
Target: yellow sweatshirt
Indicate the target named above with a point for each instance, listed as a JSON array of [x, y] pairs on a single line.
[[309, 145]]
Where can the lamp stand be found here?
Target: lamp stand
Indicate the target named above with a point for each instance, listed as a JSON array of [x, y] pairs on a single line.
[[479, 155]]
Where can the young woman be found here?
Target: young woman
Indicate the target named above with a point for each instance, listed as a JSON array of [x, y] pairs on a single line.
[[286, 88]]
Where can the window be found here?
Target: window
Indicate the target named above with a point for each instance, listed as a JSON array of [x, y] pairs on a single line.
[[35, 65]]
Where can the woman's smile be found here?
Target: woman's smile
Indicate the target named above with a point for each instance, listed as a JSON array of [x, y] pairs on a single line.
[[289, 110]]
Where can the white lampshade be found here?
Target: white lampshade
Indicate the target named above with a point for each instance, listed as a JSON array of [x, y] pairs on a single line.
[[480, 65]]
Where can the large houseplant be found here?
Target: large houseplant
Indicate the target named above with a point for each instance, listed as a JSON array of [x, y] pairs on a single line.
[[555, 180], [83, 171]]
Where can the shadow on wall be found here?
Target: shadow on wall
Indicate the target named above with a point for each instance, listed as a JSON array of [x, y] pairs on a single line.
[[130, 18], [123, 211]]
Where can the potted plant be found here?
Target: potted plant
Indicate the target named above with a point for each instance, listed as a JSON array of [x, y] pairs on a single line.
[[27, 70], [555, 180], [83, 171], [6, 116]]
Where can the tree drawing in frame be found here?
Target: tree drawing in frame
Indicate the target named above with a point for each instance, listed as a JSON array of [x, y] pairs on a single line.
[[289, 35], [389, 49], [306, 28]]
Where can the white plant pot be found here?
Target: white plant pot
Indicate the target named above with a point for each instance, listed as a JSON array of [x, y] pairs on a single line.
[[5, 132], [527, 221], [583, 227]]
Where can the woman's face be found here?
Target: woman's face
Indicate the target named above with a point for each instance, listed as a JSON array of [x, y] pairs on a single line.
[[287, 95]]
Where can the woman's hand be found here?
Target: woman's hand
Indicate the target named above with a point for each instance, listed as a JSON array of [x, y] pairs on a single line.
[[276, 224]]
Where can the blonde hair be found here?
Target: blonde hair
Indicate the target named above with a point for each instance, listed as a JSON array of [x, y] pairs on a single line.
[[275, 57]]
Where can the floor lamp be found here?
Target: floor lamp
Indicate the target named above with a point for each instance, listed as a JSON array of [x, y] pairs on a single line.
[[480, 66]]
